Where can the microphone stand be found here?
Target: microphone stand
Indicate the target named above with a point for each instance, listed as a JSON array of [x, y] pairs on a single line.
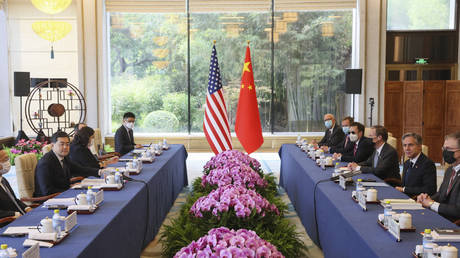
[[371, 103]]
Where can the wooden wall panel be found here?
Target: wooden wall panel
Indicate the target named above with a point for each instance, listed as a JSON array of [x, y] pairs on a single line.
[[452, 107], [433, 118], [394, 106], [412, 107]]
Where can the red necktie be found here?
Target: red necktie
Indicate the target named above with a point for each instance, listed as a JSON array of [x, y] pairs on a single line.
[[355, 149], [451, 181]]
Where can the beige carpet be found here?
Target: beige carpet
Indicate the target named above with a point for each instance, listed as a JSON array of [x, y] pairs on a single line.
[[154, 248]]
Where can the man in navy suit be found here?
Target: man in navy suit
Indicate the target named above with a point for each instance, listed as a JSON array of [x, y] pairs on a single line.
[[447, 200], [124, 137], [345, 144], [384, 161], [419, 172], [362, 149], [55, 169], [333, 135], [10, 206]]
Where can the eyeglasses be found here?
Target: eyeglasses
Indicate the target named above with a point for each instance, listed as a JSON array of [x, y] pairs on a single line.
[[351, 132]]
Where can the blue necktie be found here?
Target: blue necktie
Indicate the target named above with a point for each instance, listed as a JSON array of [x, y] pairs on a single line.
[[376, 159], [406, 176]]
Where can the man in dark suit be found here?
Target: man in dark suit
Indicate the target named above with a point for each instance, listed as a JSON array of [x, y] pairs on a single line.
[[124, 137], [55, 169], [345, 144], [362, 149], [10, 206], [447, 200], [419, 172], [384, 161], [334, 133]]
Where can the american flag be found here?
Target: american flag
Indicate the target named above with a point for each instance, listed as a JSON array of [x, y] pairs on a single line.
[[215, 124]]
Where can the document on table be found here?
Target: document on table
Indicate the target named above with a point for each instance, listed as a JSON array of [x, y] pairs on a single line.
[[20, 230], [374, 184], [445, 237], [403, 204], [31, 242], [96, 184], [59, 201]]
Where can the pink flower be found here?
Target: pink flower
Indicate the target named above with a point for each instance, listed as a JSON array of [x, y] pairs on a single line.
[[230, 244]]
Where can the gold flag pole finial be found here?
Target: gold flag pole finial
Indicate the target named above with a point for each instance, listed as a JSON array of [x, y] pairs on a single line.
[[214, 42], [248, 42]]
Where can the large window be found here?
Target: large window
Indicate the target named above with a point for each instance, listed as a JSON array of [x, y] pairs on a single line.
[[299, 71], [421, 14]]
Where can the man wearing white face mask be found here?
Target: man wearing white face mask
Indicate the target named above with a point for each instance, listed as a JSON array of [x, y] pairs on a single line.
[[9, 205], [345, 145], [124, 137], [334, 133], [363, 147]]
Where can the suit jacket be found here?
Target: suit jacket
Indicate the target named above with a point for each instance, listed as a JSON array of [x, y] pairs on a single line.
[[421, 177], [341, 148], [449, 203], [124, 143], [363, 152], [83, 156], [7, 206], [51, 177], [387, 166], [334, 139]]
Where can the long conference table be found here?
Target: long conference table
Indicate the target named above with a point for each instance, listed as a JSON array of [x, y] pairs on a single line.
[[344, 229], [126, 221]]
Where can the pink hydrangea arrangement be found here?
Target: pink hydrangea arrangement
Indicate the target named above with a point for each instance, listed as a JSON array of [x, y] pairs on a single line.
[[242, 200], [231, 158], [223, 242], [239, 175]]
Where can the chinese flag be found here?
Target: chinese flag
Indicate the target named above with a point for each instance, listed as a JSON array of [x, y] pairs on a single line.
[[247, 125]]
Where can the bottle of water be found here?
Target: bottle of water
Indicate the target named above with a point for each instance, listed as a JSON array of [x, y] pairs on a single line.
[[90, 196], [359, 186], [57, 222], [337, 166], [3, 251], [387, 213], [427, 244]]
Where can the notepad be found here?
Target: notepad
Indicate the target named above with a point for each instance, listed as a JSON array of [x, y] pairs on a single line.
[[20, 230], [374, 184], [59, 202], [445, 237], [31, 242], [403, 204]]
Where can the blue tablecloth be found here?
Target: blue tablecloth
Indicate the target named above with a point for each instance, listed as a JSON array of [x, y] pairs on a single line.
[[118, 227], [344, 229]]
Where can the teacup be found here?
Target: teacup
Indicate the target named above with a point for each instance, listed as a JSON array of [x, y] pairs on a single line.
[[130, 165], [45, 226], [329, 161], [371, 195], [405, 220], [110, 179], [81, 199]]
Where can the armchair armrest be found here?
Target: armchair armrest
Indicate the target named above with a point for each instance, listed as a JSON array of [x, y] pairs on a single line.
[[76, 179], [39, 199], [109, 155], [7, 219]]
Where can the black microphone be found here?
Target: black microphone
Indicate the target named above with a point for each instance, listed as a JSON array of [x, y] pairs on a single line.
[[346, 175], [127, 178]]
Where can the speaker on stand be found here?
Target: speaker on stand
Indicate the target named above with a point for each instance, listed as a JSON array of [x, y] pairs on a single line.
[[21, 89], [353, 83]]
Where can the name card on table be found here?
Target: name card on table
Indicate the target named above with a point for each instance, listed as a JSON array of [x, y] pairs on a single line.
[[393, 228], [99, 197], [362, 200], [342, 182], [32, 252], [70, 221]]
